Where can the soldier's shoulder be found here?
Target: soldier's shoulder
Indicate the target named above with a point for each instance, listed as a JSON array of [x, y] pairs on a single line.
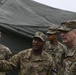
[[25, 51], [47, 42], [3, 47], [49, 57], [47, 45], [62, 45]]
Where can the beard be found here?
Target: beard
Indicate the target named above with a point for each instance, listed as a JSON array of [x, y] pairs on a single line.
[[37, 50]]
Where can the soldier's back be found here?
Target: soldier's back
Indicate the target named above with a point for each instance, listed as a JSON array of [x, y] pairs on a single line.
[[5, 54]]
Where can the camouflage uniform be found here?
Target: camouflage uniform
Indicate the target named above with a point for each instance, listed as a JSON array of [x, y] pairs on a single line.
[[56, 51], [29, 64], [58, 54], [5, 54], [69, 62]]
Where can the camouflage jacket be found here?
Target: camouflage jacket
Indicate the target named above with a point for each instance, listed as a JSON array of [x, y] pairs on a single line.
[[70, 62], [30, 64], [58, 54], [5, 54]]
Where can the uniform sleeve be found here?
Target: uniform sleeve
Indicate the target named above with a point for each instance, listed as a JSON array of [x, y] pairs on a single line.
[[12, 63], [52, 68]]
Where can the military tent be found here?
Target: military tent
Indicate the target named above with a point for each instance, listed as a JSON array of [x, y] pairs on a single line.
[[20, 19]]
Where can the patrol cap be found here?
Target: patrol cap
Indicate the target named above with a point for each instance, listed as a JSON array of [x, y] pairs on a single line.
[[52, 30], [67, 26], [40, 35]]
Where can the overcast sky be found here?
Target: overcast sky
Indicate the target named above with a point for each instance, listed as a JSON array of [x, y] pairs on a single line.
[[61, 4]]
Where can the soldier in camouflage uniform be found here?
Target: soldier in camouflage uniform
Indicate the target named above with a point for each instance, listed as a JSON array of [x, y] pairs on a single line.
[[5, 54], [33, 61], [68, 34], [55, 48]]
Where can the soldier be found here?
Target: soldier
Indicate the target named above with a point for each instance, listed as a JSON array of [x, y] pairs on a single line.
[[55, 48], [68, 34], [32, 61], [5, 54]]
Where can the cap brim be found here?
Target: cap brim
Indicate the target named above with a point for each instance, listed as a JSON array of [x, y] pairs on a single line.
[[64, 29], [50, 32], [39, 38]]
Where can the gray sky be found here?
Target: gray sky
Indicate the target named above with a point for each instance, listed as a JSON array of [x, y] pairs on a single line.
[[61, 4]]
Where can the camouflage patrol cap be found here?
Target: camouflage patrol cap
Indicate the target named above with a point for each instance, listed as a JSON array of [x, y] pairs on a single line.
[[52, 30], [67, 26], [40, 35]]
